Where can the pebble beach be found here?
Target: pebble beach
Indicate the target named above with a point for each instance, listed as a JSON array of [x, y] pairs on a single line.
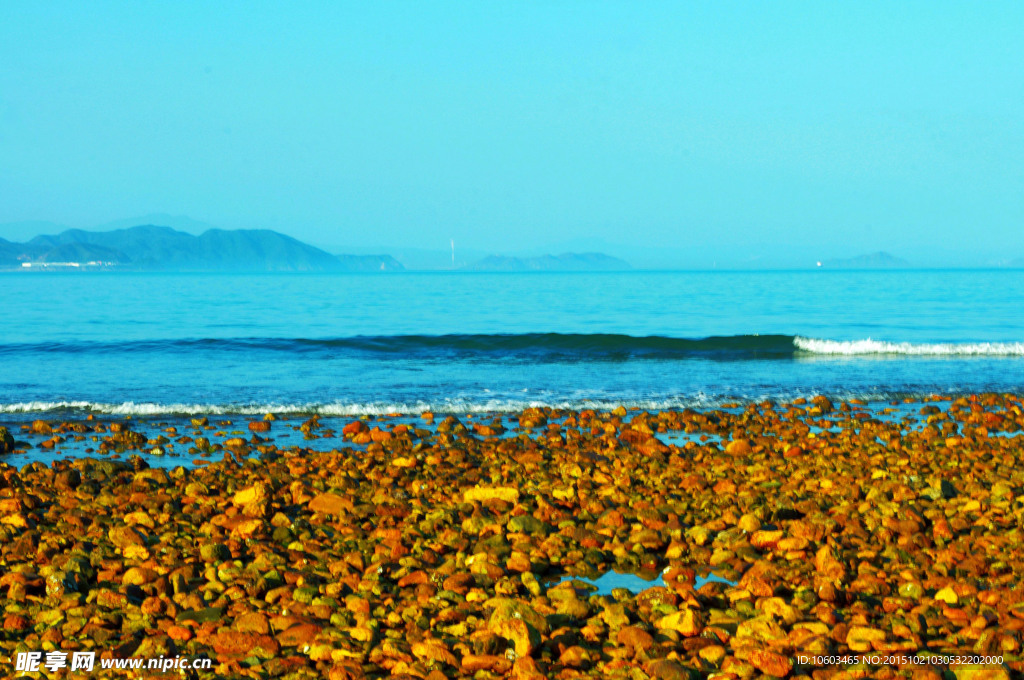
[[759, 539]]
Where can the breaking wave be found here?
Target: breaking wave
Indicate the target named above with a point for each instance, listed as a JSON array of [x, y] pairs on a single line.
[[869, 347]]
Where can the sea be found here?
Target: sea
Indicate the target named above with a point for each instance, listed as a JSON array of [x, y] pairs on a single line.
[[203, 354], [152, 344]]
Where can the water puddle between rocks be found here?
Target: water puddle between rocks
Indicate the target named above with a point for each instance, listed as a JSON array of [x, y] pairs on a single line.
[[682, 438], [636, 583]]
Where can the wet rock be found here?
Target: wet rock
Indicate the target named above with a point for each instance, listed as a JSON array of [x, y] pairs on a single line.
[[518, 623], [828, 565], [58, 583], [738, 447], [67, 480], [471, 663], [252, 622], [484, 494], [911, 591], [864, 639], [257, 493], [233, 643], [299, 635], [527, 524], [575, 657], [16, 623], [635, 638], [214, 552], [666, 669], [947, 595], [749, 523], [688, 622], [330, 504], [769, 663], [138, 576], [6, 441], [434, 651], [122, 537], [713, 654]]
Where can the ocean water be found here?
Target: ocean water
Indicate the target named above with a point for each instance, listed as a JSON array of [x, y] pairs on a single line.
[[456, 342]]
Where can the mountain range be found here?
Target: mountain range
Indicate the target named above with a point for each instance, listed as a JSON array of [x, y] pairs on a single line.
[[151, 247], [181, 243], [159, 248]]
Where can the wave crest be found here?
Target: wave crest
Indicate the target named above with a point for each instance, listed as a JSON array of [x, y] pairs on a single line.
[[869, 347], [455, 405]]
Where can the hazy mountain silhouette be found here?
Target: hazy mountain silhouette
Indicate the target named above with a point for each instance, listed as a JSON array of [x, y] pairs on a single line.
[[151, 247], [176, 222], [8, 252]]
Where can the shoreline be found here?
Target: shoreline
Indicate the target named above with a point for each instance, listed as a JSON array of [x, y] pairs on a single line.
[[437, 547]]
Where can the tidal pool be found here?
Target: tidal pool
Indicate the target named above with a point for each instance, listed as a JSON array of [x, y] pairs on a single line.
[[636, 583]]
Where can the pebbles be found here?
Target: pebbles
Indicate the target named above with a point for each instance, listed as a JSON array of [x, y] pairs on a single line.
[[435, 552], [7, 442]]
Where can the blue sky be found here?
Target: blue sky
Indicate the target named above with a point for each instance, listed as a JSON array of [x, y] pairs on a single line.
[[761, 128]]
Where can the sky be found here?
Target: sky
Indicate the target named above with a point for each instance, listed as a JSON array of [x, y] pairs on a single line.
[[758, 129]]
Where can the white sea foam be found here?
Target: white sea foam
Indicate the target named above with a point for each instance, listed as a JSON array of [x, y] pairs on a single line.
[[455, 405], [40, 406], [868, 346]]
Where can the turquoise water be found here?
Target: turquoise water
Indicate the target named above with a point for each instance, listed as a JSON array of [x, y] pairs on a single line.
[[356, 343], [637, 583]]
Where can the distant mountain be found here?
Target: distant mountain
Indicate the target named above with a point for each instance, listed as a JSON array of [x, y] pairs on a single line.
[[259, 250], [879, 260], [141, 247], [81, 252], [176, 222], [151, 247], [8, 253], [563, 262]]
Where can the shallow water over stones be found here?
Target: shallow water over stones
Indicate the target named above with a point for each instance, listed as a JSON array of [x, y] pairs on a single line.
[[636, 582], [172, 440]]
